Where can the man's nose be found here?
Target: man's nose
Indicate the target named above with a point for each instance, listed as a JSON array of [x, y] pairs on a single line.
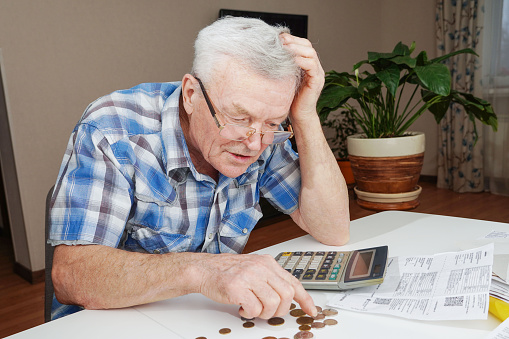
[[254, 142]]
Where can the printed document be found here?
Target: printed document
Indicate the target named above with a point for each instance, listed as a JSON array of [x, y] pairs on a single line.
[[446, 286], [501, 332]]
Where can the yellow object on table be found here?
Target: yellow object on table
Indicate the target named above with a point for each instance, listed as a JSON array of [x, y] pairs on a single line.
[[499, 308]]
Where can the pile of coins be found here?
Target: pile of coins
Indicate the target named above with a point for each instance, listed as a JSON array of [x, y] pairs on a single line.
[[308, 323], [305, 322]]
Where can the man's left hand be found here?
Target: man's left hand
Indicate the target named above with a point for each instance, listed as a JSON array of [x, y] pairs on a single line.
[[304, 104]]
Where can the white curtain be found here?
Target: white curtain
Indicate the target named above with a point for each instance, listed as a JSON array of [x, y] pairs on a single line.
[[495, 84], [460, 158]]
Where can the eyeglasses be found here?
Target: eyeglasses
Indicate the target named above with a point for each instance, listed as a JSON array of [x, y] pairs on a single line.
[[240, 133]]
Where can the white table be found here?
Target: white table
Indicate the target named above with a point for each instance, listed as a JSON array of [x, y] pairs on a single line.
[[191, 316]]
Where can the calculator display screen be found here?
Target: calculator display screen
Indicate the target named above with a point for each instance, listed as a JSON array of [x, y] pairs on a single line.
[[362, 263]]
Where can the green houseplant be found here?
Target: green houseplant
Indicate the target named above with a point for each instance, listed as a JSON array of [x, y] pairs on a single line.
[[391, 92]]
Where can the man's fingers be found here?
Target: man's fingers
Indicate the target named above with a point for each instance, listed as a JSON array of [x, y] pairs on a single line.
[[251, 306], [305, 301]]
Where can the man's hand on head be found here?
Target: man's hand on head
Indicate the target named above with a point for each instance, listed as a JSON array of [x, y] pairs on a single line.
[[257, 283], [304, 104]]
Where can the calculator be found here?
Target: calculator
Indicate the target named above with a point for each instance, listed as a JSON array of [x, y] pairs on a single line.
[[336, 270]]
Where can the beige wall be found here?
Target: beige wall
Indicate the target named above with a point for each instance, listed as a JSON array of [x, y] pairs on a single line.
[[59, 55]]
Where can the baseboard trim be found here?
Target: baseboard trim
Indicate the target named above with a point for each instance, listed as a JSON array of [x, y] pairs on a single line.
[[32, 277], [428, 178]]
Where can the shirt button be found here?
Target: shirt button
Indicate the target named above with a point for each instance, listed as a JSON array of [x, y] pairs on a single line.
[[211, 235], [156, 252], [244, 230]]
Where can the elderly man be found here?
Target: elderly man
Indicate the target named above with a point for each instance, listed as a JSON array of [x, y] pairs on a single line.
[[159, 187]]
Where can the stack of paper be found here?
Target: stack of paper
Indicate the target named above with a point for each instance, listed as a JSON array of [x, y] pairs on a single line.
[[499, 288], [445, 286]]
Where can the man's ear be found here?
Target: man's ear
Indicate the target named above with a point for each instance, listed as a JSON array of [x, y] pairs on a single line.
[[189, 93]]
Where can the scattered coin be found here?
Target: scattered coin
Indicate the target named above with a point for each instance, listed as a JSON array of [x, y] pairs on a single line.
[[269, 338], [292, 306], [305, 320], [297, 312], [246, 319], [330, 322], [224, 331], [317, 324], [329, 312], [201, 338], [303, 335], [305, 328], [318, 309], [248, 324], [319, 316], [276, 321]]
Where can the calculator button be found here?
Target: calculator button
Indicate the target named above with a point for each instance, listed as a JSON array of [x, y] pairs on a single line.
[[298, 271], [325, 265], [323, 271], [321, 277], [308, 276], [333, 277], [311, 271], [296, 275], [298, 254], [309, 254]]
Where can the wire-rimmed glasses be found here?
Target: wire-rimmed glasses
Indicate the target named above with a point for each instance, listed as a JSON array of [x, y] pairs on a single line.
[[240, 132]]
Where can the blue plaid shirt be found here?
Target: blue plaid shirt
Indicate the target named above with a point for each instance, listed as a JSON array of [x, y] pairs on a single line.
[[127, 181]]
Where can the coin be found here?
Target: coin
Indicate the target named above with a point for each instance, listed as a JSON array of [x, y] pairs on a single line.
[[319, 316], [269, 338], [292, 306], [330, 322], [224, 331], [246, 319], [303, 335], [276, 321], [317, 324], [329, 312], [201, 338], [305, 328], [248, 324], [305, 320], [318, 309], [297, 312]]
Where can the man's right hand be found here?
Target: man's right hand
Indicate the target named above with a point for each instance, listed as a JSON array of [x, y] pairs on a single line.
[[257, 283]]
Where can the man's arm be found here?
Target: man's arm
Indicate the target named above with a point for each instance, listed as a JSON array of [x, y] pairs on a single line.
[[323, 201], [99, 277]]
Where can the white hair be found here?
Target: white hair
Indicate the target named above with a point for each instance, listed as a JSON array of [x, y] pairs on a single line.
[[250, 42]]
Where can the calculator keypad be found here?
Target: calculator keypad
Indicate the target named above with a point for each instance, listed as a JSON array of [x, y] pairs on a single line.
[[314, 266]]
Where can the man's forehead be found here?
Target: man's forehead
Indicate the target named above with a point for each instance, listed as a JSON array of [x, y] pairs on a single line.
[[239, 109]]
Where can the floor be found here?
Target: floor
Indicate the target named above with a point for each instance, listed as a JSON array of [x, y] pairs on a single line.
[[22, 304]]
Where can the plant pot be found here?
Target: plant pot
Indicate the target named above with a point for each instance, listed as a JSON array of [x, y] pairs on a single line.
[[346, 169], [389, 168]]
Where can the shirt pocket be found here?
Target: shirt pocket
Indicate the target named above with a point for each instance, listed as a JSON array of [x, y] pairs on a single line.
[[241, 217], [157, 227]]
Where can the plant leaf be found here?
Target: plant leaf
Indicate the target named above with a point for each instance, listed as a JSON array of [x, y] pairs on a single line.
[[332, 97], [447, 56], [390, 77], [441, 105], [404, 60], [435, 77]]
